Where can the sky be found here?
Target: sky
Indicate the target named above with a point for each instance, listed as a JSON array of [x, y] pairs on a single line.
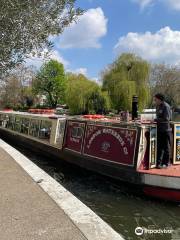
[[148, 28]]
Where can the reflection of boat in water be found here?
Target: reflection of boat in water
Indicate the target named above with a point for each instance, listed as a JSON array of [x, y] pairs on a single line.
[[119, 150]]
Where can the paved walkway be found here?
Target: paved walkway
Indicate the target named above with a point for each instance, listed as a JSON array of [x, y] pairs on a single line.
[[26, 211]]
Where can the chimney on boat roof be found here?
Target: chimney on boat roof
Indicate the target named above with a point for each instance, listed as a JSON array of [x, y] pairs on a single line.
[[134, 107]]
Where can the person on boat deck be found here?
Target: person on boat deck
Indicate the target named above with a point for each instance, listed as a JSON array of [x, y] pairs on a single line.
[[163, 117]]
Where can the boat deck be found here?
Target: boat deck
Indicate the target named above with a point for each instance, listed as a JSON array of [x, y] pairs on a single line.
[[171, 171]]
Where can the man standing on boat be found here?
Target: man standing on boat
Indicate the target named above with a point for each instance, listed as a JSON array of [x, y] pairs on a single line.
[[163, 117]]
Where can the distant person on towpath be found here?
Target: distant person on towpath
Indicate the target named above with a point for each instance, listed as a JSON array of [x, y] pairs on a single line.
[[163, 118]]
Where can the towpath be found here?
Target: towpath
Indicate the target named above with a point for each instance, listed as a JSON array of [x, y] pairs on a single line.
[[33, 206], [26, 211]]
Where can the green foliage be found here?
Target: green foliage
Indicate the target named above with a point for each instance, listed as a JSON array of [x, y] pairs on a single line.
[[51, 82], [27, 24], [126, 77], [84, 96]]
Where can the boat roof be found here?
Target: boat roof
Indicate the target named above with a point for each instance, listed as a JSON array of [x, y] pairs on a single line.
[[80, 118], [54, 116], [149, 110]]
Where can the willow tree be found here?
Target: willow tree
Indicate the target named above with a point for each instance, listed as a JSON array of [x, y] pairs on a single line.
[[26, 25], [85, 96], [127, 76]]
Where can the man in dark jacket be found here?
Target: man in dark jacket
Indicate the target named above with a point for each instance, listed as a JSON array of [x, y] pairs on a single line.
[[164, 115]]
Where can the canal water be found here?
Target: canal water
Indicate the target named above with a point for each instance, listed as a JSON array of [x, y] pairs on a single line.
[[114, 202]]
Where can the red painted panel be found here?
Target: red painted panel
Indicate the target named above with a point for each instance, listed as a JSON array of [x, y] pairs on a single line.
[[74, 136], [110, 143], [166, 194]]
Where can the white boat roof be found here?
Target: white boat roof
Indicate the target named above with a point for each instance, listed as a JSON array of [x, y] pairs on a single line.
[[35, 115], [149, 111]]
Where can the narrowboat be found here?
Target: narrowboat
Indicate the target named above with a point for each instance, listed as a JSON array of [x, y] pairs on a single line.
[[121, 150]]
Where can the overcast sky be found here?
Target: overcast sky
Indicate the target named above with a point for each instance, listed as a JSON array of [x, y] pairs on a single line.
[[150, 28]]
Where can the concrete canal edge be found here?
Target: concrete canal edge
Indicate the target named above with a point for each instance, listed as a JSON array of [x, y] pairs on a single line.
[[91, 225]]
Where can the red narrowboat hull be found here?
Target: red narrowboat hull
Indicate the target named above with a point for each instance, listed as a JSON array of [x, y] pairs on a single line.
[[163, 193], [118, 150]]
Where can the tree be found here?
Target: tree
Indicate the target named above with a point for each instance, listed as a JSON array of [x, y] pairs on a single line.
[[16, 88], [85, 96], [26, 25], [9, 93], [51, 82], [98, 101], [127, 76], [166, 79]]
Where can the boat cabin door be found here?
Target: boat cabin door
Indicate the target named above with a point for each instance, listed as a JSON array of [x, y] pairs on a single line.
[[153, 147]]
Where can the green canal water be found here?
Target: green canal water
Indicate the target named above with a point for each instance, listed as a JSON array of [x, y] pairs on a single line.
[[114, 202]]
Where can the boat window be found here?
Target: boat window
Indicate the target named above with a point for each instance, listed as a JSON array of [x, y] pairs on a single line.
[[80, 132], [1, 120], [17, 124], [25, 125], [76, 132], [60, 132], [4, 120], [11, 122], [45, 130], [34, 128]]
